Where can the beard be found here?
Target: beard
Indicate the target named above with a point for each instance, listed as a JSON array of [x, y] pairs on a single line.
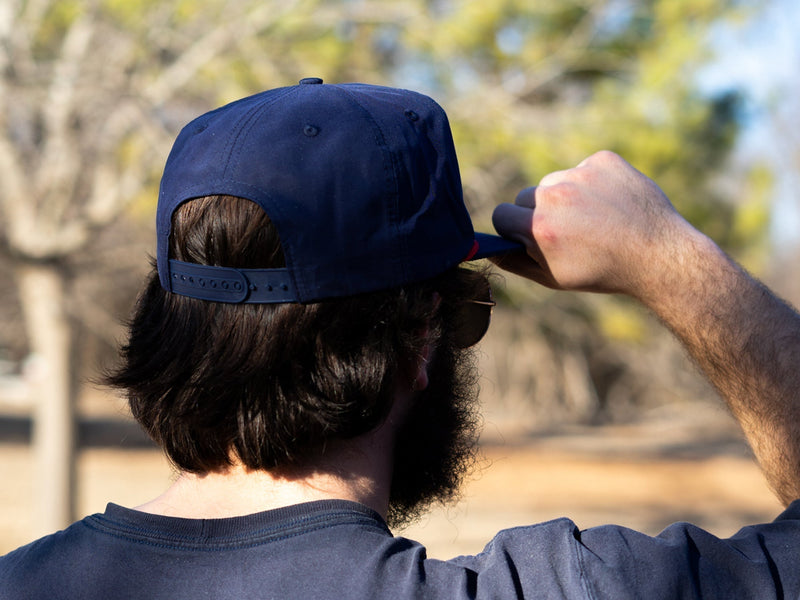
[[436, 448]]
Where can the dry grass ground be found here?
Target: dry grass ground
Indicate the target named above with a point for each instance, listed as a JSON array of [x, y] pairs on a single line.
[[685, 465]]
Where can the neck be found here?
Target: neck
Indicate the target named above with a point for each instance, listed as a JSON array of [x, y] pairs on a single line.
[[360, 471]]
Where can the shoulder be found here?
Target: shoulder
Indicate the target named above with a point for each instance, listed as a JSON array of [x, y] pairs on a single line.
[[44, 567], [541, 560], [760, 561]]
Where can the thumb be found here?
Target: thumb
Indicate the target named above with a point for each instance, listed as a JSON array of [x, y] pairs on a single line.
[[514, 222]]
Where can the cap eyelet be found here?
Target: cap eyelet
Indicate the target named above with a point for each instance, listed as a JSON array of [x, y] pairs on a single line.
[[412, 116], [310, 130]]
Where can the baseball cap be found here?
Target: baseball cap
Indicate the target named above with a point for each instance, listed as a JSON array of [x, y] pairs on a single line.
[[360, 181]]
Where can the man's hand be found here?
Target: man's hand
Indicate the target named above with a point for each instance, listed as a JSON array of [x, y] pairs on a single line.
[[605, 227], [596, 227]]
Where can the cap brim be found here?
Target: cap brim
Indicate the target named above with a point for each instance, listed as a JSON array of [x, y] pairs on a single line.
[[494, 245]]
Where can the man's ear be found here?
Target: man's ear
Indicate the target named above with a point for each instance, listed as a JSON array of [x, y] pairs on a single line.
[[420, 381]]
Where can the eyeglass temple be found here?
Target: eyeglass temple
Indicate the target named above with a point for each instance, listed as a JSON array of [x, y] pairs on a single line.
[[484, 302]]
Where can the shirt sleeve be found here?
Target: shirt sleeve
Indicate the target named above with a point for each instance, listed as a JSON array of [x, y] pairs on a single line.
[[558, 560]]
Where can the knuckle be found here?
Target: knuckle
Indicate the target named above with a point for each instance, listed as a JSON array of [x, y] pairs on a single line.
[[561, 192], [605, 156], [552, 178], [544, 231]]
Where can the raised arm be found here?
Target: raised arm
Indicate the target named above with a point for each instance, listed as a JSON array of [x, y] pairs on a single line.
[[605, 227]]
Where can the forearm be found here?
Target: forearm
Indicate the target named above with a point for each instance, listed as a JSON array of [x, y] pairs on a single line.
[[605, 227], [746, 341]]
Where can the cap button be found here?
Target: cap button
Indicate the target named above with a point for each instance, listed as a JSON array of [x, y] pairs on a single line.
[[311, 81]]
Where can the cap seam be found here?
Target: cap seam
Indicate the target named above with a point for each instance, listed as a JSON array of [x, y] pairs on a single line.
[[243, 131], [231, 164], [391, 171]]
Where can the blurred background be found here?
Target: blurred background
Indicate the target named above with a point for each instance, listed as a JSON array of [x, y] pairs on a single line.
[[591, 409]]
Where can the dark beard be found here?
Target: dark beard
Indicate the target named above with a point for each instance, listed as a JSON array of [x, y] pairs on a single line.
[[436, 447]]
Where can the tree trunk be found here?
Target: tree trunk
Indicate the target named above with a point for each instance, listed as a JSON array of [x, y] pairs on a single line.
[[42, 296]]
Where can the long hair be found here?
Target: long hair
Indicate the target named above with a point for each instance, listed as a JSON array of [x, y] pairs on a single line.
[[269, 385]]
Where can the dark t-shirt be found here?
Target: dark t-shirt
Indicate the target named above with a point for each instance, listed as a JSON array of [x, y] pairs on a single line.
[[342, 550]]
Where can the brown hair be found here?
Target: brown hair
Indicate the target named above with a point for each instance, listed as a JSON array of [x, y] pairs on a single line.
[[270, 384]]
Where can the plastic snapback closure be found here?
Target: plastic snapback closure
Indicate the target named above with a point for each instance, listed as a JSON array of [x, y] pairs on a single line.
[[234, 286]]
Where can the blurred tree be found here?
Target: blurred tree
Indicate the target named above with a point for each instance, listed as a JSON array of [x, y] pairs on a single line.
[[533, 86], [91, 94], [93, 91]]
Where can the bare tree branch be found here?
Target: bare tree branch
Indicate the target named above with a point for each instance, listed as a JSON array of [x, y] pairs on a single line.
[[31, 15], [7, 11], [17, 214], [55, 177], [211, 45], [111, 191]]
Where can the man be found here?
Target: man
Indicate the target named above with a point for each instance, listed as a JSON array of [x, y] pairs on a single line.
[[302, 353]]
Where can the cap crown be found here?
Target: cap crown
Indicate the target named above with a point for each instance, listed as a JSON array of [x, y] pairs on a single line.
[[360, 181]]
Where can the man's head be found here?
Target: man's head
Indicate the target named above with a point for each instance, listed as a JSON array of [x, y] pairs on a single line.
[[308, 256]]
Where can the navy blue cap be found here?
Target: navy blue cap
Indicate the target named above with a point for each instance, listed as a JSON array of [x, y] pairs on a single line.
[[360, 181]]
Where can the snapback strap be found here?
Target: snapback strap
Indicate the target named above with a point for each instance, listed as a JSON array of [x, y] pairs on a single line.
[[226, 284]]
